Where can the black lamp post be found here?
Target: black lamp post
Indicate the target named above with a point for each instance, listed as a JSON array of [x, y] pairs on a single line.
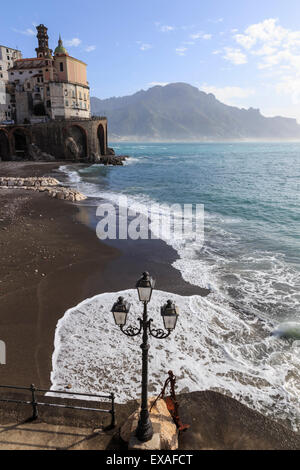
[[169, 312]]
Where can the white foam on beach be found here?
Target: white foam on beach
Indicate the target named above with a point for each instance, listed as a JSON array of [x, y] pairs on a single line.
[[212, 348], [215, 346]]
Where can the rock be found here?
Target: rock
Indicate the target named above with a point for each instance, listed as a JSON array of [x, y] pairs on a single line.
[[110, 151], [42, 184], [162, 423], [72, 148], [60, 195], [35, 154]]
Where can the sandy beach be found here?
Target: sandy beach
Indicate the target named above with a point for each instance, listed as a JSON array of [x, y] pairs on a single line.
[[50, 262]]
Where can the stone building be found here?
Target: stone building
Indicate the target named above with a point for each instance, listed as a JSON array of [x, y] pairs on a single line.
[[51, 106], [49, 86], [7, 59]]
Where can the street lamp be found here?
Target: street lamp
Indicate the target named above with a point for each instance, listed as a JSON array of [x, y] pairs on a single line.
[[169, 312]]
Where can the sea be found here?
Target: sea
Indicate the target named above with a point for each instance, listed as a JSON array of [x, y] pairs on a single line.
[[243, 339]]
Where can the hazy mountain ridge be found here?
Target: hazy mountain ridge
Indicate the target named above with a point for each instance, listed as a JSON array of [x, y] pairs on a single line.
[[179, 111]]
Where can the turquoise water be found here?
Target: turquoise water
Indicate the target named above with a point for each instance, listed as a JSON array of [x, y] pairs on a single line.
[[250, 260], [251, 197]]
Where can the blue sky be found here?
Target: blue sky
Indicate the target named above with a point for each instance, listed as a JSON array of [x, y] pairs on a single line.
[[247, 52]]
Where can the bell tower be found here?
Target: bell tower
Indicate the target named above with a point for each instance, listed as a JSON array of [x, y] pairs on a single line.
[[43, 38]]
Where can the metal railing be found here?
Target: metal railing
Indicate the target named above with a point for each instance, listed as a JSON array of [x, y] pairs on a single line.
[[34, 403]]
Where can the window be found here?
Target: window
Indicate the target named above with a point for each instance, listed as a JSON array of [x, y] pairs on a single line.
[[61, 66], [67, 103], [8, 58]]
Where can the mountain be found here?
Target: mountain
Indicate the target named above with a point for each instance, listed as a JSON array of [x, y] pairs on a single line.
[[181, 112]]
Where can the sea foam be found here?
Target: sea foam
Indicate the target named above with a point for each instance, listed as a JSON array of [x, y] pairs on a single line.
[[212, 348]]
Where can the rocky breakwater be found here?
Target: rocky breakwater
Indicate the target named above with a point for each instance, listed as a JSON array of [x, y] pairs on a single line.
[[51, 186]]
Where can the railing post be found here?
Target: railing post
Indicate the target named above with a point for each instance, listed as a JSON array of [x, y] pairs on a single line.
[[113, 413], [35, 414]]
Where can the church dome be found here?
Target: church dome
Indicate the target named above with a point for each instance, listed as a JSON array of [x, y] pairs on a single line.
[[60, 50]]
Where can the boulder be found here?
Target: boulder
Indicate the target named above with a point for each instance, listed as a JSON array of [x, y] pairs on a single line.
[[110, 151]]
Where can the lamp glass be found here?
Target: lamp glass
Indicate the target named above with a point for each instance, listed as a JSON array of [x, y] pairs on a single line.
[[169, 313], [145, 287], [144, 293], [120, 318], [170, 322], [120, 310]]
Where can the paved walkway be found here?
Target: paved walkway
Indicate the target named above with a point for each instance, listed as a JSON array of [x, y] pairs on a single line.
[[43, 436]]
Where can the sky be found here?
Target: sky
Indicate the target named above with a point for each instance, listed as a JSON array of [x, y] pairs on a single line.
[[246, 52]]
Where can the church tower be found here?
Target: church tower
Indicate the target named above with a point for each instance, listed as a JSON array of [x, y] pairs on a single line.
[[43, 38]]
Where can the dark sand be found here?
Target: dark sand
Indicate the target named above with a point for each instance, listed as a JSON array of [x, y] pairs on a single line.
[[51, 261]]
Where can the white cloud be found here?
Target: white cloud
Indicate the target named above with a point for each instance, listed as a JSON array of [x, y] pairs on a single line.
[[75, 42], [235, 56], [228, 94], [166, 28], [277, 50], [268, 31], [90, 48], [26, 32], [181, 50], [158, 84], [201, 35]]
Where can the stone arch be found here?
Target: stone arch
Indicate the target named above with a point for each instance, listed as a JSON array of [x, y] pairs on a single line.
[[20, 140], [101, 139], [4, 146], [39, 109], [76, 142]]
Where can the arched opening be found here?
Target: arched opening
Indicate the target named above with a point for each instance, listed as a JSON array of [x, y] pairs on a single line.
[[76, 143], [4, 147], [39, 110], [20, 143], [101, 139]]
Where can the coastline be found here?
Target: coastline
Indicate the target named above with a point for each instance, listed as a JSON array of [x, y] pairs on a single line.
[[48, 259], [51, 262]]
